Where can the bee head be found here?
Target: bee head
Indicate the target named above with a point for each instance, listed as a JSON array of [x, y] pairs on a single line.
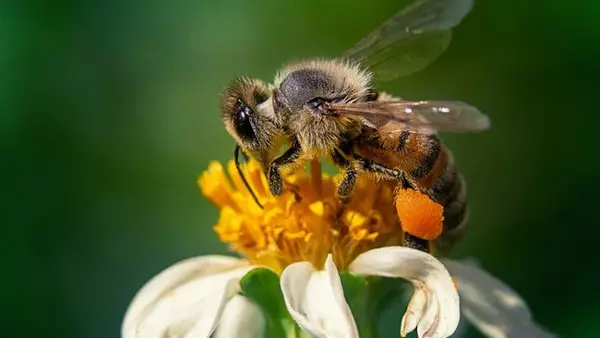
[[247, 113], [306, 87]]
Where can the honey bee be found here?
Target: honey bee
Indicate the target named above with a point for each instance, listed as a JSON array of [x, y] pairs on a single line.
[[331, 109]]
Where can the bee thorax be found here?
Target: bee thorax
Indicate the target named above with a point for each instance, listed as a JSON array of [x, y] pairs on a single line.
[[320, 134]]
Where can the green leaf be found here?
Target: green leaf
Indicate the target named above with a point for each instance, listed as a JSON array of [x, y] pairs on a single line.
[[355, 292], [354, 285], [368, 298], [389, 303], [262, 287], [387, 290]]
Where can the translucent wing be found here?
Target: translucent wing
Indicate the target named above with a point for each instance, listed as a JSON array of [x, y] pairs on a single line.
[[410, 40], [418, 116]]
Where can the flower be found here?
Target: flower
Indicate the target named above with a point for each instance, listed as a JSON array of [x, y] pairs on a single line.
[[493, 307], [305, 236]]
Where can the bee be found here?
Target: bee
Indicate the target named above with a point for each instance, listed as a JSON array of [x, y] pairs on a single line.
[[331, 109]]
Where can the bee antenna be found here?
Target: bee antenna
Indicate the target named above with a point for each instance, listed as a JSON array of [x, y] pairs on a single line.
[[236, 155]]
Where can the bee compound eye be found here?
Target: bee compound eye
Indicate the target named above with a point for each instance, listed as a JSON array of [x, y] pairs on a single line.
[[242, 121]]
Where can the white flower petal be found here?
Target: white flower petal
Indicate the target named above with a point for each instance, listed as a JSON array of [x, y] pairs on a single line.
[[431, 320], [315, 300], [241, 319], [415, 310], [492, 306], [441, 314], [185, 299]]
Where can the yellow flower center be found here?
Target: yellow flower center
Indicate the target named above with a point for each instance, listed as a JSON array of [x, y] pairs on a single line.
[[306, 222]]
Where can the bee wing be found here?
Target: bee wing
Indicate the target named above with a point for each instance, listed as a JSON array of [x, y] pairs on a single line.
[[410, 40], [417, 116]]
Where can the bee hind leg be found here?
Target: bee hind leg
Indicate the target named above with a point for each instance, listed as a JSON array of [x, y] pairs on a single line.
[[408, 240], [414, 242], [352, 169], [387, 173]]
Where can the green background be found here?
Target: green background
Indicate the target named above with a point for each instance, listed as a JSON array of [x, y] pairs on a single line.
[[109, 111]]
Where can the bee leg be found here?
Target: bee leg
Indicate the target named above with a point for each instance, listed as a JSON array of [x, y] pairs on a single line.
[[408, 240], [346, 186], [387, 173], [274, 176], [414, 242], [352, 168]]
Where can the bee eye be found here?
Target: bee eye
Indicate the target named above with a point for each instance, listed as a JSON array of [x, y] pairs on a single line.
[[242, 122]]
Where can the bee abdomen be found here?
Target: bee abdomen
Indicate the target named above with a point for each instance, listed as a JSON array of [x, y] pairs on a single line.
[[455, 215], [429, 150], [455, 208], [450, 190], [450, 238], [446, 186]]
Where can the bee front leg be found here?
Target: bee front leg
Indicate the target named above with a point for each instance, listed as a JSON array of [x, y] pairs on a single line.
[[274, 175]]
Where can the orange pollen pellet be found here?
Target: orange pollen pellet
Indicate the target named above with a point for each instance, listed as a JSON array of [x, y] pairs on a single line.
[[419, 215]]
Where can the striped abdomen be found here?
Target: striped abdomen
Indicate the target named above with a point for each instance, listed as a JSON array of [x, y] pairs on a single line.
[[429, 168]]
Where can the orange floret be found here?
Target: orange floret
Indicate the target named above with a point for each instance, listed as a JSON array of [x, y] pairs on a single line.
[[420, 216]]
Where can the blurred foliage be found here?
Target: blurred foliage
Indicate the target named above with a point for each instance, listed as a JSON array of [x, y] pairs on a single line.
[[109, 111]]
